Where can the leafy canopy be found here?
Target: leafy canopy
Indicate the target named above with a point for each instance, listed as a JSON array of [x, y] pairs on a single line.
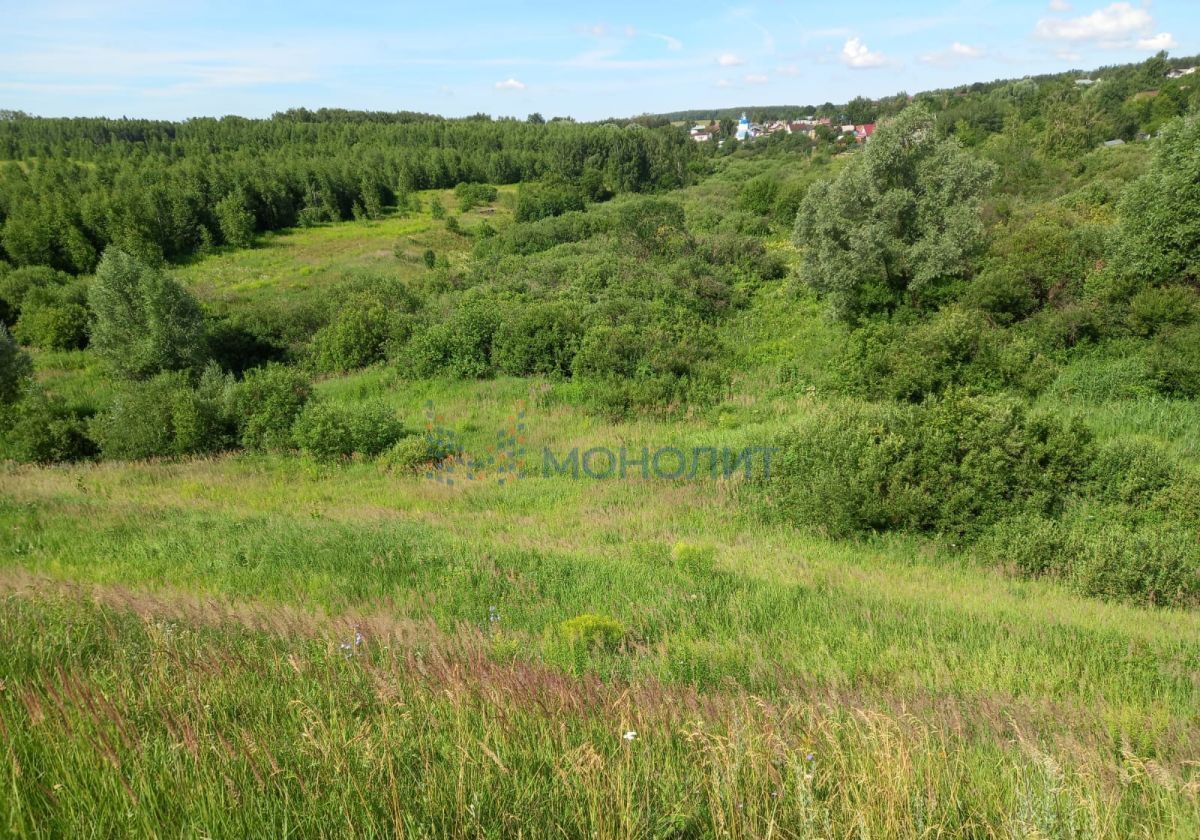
[[1159, 233], [145, 322], [898, 223]]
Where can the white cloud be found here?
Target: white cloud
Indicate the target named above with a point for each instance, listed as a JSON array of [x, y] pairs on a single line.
[[1114, 25], [1060, 6], [755, 79], [788, 70], [1161, 41], [955, 53], [510, 84], [729, 60], [724, 83], [856, 54], [673, 44]]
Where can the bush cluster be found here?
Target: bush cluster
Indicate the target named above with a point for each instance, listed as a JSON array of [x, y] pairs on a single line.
[[330, 432], [472, 195], [950, 465], [168, 415]]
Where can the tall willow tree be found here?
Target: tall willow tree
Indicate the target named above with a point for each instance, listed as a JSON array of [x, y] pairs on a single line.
[[145, 322], [898, 224]]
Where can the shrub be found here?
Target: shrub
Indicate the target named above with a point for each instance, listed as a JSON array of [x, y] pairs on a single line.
[[1131, 472], [607, 350], [1158, 237], [538, 339], [16, 368], [592, 631], [655, 224], [138, 422], [459, 346], [953, 348], [235, 221], [204, 418], [359, 335], [950, 465], [1155, 563], [1174, 362], [54, 317], [167, 416], [329, 432], [547, 198], [1155, 309], [758, 195], [412, 453], [19, 282], [1179, 500], [1029, 545], [267, 403], [544, 234], [43, 429], [1099, 553], [324, 431], [1001, 292], [1064, 327], [472, 195], [1051, 253]]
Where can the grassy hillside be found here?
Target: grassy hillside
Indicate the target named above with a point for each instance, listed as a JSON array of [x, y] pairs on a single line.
[[291, 585]]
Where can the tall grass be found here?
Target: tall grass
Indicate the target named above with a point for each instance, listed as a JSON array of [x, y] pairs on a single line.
[[127, 720]]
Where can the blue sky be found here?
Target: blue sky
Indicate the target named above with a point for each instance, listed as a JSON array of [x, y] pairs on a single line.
[[174, 60]]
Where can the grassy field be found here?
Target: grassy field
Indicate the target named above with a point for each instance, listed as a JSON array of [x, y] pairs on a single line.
[[302, 263], [262, 645]]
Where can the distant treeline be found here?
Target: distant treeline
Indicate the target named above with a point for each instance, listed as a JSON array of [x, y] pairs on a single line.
[[163, 189], [1123, 81]]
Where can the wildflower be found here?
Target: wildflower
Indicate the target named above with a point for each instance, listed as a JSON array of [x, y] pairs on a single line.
[[349, 647], [808, 757], [493, 615], [630, 735]]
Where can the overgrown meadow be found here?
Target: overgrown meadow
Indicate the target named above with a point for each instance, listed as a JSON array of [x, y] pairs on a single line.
[[283, 556]]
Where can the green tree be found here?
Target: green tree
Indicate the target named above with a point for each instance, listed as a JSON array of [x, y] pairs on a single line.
[[1158, 238], [236, 222], [145, 322], [267, 404], [898, 223], [16, 368]]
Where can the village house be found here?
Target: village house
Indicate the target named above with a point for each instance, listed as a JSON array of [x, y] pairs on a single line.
[[702, 133]]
